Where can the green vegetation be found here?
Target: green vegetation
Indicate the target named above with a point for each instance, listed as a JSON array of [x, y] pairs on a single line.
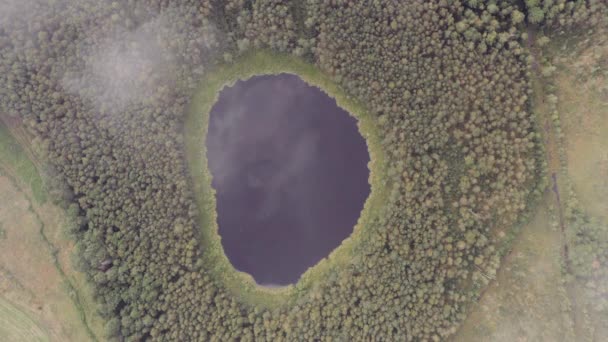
[[443, 91], [37, 275], [580, 95], [527, 299], [256, 63], [556, 268], [15, 325], [32, 276], [559, 14], [13, 157]]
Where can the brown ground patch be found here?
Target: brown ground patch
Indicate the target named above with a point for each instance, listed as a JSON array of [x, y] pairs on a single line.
[[29, 278]]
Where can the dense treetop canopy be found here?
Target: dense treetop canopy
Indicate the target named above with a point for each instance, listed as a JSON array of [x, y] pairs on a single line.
[[104, 87]]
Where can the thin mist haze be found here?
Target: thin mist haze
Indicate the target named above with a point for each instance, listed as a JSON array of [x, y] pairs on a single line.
[[17, 10], [132, 66]]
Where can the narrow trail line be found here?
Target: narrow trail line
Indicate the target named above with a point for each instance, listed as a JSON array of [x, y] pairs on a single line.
[[551, 141], [552, 145], [53, 251], [562, 224], [522, 243], [76, 297], [35, 208]]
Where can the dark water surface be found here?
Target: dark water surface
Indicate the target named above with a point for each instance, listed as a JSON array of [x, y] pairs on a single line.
[[290, 170]]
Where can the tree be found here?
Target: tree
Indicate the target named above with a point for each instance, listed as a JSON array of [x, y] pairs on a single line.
[[536, 15]]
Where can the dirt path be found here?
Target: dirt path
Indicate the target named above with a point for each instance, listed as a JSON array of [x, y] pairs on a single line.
[[526, 301], [36, 271], [552, 146], [33, 269], [562, 223], [551, 140]]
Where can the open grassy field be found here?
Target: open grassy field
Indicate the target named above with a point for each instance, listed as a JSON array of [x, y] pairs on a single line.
[[535, 297], [43, 297], [527, 301], [16, 325], [582, 90], [529, 286], [581, 84], [16, 161]]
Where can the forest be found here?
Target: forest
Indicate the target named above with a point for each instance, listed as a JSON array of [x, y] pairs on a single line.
[[104, 90]]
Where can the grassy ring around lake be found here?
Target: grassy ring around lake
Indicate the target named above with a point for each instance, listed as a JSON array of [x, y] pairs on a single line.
[[214, 260]]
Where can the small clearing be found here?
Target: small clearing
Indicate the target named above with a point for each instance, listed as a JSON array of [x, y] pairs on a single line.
[[582, 85], [527, 301]]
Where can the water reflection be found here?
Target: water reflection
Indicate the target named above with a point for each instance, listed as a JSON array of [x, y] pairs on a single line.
[[290, 170]]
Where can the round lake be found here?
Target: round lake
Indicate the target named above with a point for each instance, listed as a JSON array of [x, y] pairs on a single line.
[[290, 172]]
